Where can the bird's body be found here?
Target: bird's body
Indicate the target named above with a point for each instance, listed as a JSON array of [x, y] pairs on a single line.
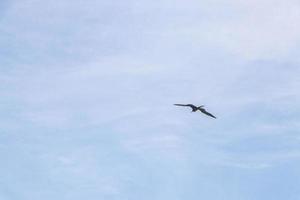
[[195, 108]]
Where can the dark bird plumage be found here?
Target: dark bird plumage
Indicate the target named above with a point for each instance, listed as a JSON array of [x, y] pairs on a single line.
[[195, 108]]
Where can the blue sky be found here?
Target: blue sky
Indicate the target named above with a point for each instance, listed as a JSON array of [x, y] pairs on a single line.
[[87, 89]]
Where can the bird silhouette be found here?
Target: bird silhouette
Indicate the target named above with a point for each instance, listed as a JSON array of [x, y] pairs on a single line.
[[195, 108]]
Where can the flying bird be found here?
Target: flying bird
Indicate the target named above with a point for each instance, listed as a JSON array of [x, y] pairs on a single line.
[[195, 108]]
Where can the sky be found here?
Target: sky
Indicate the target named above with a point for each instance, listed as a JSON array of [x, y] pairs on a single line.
[[87, 91]]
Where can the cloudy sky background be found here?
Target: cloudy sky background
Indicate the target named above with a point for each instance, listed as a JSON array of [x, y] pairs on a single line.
[[86, 94]]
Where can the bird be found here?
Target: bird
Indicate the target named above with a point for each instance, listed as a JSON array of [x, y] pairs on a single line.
[[195, 108]]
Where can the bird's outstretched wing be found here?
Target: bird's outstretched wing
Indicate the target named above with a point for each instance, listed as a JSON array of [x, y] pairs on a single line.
[[207, 113], [176, 104], [188, 105]]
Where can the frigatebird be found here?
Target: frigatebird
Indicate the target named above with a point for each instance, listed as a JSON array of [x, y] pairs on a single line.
[[195, 108]]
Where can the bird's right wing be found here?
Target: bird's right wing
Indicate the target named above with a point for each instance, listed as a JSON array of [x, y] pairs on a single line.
[[188, 105], [181, 104]]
